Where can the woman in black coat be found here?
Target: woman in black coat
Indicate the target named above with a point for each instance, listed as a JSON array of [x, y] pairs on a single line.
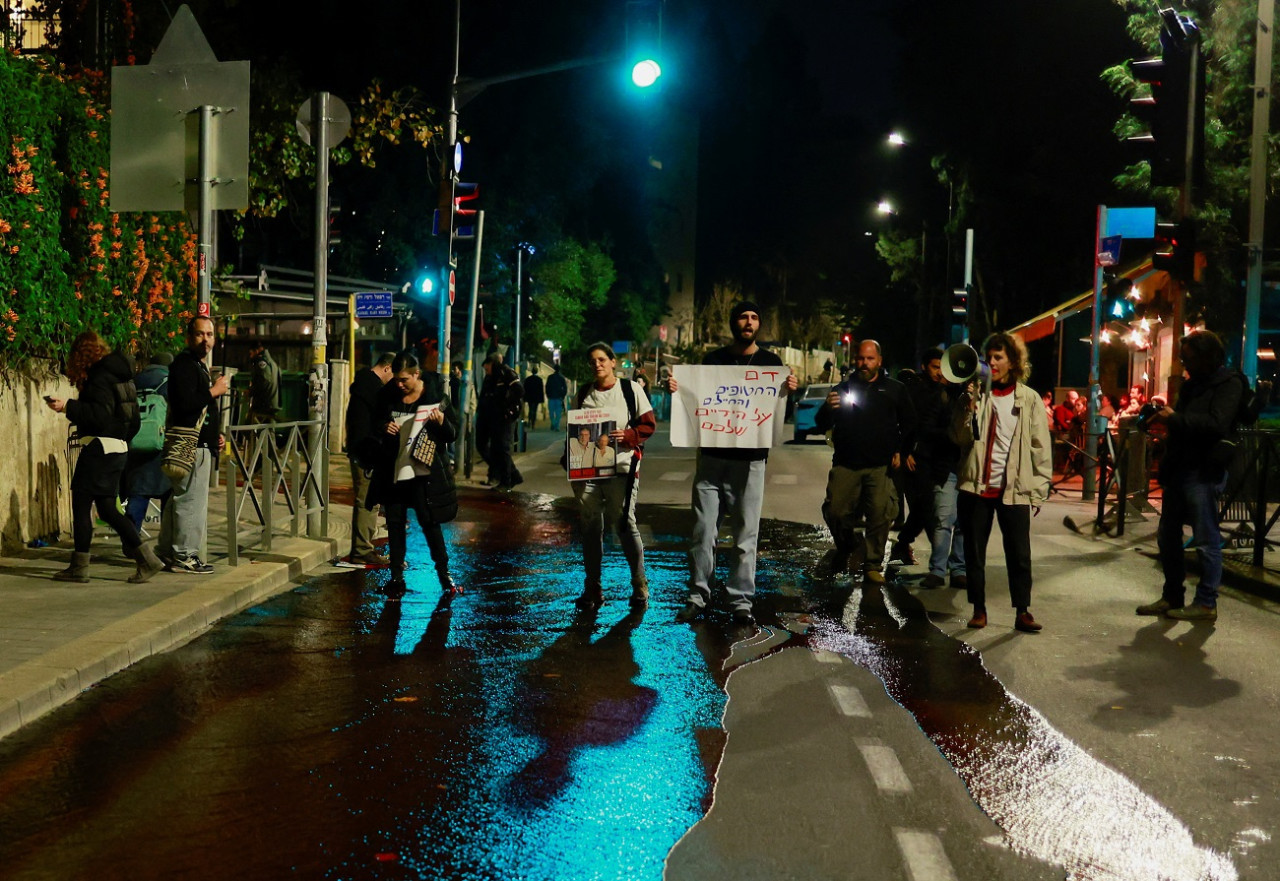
[[106, 414], [413, 402]]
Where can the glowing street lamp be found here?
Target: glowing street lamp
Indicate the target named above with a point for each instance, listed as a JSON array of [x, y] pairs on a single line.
[[896, 139], [884, 206]]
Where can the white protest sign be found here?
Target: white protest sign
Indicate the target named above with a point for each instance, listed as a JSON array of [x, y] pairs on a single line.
[[728, 407]]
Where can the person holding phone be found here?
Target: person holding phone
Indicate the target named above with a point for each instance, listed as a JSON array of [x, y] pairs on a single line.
[[105, 413]]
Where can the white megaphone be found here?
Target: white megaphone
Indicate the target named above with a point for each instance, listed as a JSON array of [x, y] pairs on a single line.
[[960, 363]]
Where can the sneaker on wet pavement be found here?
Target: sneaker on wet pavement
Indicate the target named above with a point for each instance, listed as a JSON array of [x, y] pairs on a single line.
[[190, 565], [1194, 612], [743, 618], [832, 564]]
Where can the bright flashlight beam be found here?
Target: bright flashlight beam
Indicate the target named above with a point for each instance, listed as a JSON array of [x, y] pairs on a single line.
[[645, 73]]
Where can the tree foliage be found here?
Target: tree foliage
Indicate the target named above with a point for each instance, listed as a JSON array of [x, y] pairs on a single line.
[[1220, 208]]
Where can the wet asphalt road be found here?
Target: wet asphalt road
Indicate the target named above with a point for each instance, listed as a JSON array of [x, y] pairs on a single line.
[[332, 734]]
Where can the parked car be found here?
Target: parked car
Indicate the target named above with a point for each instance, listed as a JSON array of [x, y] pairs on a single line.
[[807, 407]]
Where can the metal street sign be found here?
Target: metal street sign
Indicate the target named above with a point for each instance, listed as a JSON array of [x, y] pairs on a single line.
[[155, 129], [338, 125], [1131, 223], [452, 287], [373, 304]]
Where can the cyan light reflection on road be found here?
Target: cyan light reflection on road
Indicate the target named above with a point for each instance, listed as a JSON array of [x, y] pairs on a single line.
[[590, 763]]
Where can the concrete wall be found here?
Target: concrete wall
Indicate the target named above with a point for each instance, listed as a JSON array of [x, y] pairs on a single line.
[[35, 461]]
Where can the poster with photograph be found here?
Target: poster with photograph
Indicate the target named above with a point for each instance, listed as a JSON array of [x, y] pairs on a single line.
[[590, 452]]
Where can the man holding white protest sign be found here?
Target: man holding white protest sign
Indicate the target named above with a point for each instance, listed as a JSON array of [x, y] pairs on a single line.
[[732, 409]]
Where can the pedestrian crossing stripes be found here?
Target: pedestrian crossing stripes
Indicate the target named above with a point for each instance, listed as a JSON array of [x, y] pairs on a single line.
[[925, 857], [675, 475], [784, 479]]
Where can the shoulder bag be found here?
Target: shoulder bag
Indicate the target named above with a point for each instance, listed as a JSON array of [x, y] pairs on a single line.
[[178, 458]]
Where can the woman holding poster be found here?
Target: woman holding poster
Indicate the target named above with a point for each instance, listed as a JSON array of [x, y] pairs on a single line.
[[612, 499], [411, 466]]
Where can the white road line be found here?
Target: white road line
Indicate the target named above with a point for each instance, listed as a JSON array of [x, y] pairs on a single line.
[[823, 656], [926, 860], [675, 475], [849, 700], [886, 770], [784, 479]]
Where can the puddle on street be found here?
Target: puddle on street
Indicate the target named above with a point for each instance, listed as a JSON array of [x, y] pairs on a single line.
[[497, 734], [1053, 800]]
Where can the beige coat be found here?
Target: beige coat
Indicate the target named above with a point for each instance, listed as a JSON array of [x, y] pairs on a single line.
[[1029, 470]]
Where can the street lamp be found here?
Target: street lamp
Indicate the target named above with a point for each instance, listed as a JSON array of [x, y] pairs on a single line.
[[521, 250], [896, 139], [884, 206]]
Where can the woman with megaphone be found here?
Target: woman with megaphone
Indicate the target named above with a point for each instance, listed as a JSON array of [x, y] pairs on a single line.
[[1006, 466]]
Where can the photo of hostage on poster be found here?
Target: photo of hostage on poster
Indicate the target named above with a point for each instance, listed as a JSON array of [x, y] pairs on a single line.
[[726, 407], [590, 449]]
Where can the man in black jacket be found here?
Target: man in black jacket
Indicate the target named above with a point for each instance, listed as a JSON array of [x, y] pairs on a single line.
[[193, 396], [873, 429], [499, 407], [1193, 472], [361, 405]]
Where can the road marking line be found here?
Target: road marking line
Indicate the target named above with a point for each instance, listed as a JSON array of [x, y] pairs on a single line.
[[825, 657], [925, 856], [784, 479], [849, 700], [886, 770], [675, 475]]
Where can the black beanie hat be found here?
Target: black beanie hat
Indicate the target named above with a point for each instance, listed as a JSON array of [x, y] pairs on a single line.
[[744, 306]]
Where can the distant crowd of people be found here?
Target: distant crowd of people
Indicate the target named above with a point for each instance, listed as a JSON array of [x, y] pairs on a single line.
[[960, 458]]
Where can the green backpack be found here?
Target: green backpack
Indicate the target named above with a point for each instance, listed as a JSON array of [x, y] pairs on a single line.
[[153, 408]]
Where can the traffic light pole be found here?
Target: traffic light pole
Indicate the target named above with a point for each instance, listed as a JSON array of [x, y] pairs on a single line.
[[1089, 485], [1257, 187], [465, 388]]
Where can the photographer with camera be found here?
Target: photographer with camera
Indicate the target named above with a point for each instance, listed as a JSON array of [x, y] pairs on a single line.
[[1193, 472]]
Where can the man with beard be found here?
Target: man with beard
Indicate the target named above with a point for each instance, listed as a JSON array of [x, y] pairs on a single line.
[[873, 425], [192, 401], [728, 487]]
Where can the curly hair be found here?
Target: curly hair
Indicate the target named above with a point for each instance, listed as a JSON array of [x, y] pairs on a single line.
[[1016, 351], [87, 350]]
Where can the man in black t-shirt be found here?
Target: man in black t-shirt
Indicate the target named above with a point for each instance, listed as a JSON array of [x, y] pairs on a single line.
[[729, 488]]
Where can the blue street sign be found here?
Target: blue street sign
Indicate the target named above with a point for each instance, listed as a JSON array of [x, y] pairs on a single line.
[[373, 304], [1131, 223]]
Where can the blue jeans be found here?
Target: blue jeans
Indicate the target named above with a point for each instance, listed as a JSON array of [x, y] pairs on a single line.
[[1194, 502], [556, 407], [945, 536], [731, 492]]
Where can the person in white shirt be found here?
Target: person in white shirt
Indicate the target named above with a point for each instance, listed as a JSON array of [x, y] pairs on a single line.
[[604, 455], [1006, 465], [612, 500]]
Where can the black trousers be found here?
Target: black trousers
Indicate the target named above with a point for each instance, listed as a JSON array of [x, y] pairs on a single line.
[[918, 491], [398, 536], [496, 450], [82, 502], [976, 516]]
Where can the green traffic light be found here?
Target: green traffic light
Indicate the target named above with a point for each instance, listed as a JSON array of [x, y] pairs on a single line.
[[645, 73], [426, 285]]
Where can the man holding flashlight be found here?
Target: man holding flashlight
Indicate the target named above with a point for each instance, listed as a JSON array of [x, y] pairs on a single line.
[[873, 427]]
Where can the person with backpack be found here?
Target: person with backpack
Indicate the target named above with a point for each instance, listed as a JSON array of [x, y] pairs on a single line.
[[143, 479], [264, 385], [612, 500], [1193, 472], [557, 389], [105, 413]]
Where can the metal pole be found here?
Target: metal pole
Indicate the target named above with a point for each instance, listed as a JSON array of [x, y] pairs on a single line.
[[1257, 188], [519, 295], [465, 387], [1088, 484], [968, 281], [203, 296], [319, 333]]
